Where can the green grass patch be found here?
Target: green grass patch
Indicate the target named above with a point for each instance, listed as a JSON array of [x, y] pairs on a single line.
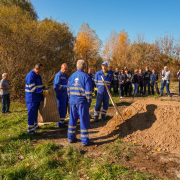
[[21, 158]]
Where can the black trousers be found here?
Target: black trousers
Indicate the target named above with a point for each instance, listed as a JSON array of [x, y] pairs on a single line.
[[115, 86], [128, 88], [153, 83], [121, 90], [141, 87], [5, 103], [147, 82]]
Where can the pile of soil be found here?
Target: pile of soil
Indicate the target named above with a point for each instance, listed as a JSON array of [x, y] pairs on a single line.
[[149, 122]]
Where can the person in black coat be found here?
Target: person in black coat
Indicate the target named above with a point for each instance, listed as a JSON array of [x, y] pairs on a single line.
[[146, 75], [122, 80], [135, 81], [141, 84]]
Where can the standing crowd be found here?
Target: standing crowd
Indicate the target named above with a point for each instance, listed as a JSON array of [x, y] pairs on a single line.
[[133, 84], [77, 90]]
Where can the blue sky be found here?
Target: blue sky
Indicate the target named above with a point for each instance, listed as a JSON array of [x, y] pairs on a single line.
[[149, 17]]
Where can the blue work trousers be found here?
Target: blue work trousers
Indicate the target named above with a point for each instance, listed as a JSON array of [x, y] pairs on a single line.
[[79, 111], [101, 98], [163, 84], [32, 108], [5, 103], [62, 101]]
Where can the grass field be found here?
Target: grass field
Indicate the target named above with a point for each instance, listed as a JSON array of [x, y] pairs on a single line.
[[22, 158]]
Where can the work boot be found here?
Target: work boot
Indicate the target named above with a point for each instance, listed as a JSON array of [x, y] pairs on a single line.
[[169, 95], [63, 126], [89, 144], [104, 118], [160, 95], [95, 119], [73, 141]]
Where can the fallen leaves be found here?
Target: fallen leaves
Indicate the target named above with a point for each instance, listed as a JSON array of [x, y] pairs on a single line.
[[26, 165]]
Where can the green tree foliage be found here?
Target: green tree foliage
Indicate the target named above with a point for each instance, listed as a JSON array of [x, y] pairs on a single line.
[[24, 42]]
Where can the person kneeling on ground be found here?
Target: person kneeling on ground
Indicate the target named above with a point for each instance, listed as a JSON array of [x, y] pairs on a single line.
[[4, 91], [80, 94], [34, 91], [135, 81], [122, 80]]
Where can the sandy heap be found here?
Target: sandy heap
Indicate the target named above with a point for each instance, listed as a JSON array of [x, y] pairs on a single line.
[[150, 122]]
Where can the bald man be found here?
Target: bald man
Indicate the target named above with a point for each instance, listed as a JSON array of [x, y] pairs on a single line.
[[60, 86]]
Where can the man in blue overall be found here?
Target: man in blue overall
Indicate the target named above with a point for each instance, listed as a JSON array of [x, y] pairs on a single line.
[[102, 95], [34, 91], [60, 86], [80, 94]]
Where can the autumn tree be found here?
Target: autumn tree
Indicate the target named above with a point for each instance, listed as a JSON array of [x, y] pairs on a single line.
[[116, 49], [87, 45], [24, 5], [24, 42]]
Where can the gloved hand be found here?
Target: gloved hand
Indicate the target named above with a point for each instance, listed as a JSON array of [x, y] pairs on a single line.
[[45, 92], [95, 89]]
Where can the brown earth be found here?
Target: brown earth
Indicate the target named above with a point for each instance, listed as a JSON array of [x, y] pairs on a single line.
[[152, 123]]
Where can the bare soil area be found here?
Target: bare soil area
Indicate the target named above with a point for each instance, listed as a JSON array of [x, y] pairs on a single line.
[[151, 124]]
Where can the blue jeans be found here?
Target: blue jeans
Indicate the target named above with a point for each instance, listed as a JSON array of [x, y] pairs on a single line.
[[5, 103], [135, 90], [163, 84]]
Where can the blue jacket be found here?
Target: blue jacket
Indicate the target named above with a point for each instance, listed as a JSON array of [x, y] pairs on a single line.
[[178, 76], [154, 77], [79, 88], [116, 73], [34, 87], [99, 83], [60, 83]]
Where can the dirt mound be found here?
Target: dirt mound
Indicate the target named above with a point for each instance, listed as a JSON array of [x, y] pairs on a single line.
[[150, 122]]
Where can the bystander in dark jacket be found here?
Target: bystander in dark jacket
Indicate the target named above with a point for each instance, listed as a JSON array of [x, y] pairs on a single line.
[[122, 80], [141, 84], [154, 81], [146, 76], [128, 83], [135, 81]]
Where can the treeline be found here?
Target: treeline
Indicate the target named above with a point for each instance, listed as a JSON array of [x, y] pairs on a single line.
[[120, 52], [25, 41]]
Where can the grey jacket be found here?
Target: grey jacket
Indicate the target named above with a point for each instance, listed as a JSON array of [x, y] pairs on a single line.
[[166, 75]]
